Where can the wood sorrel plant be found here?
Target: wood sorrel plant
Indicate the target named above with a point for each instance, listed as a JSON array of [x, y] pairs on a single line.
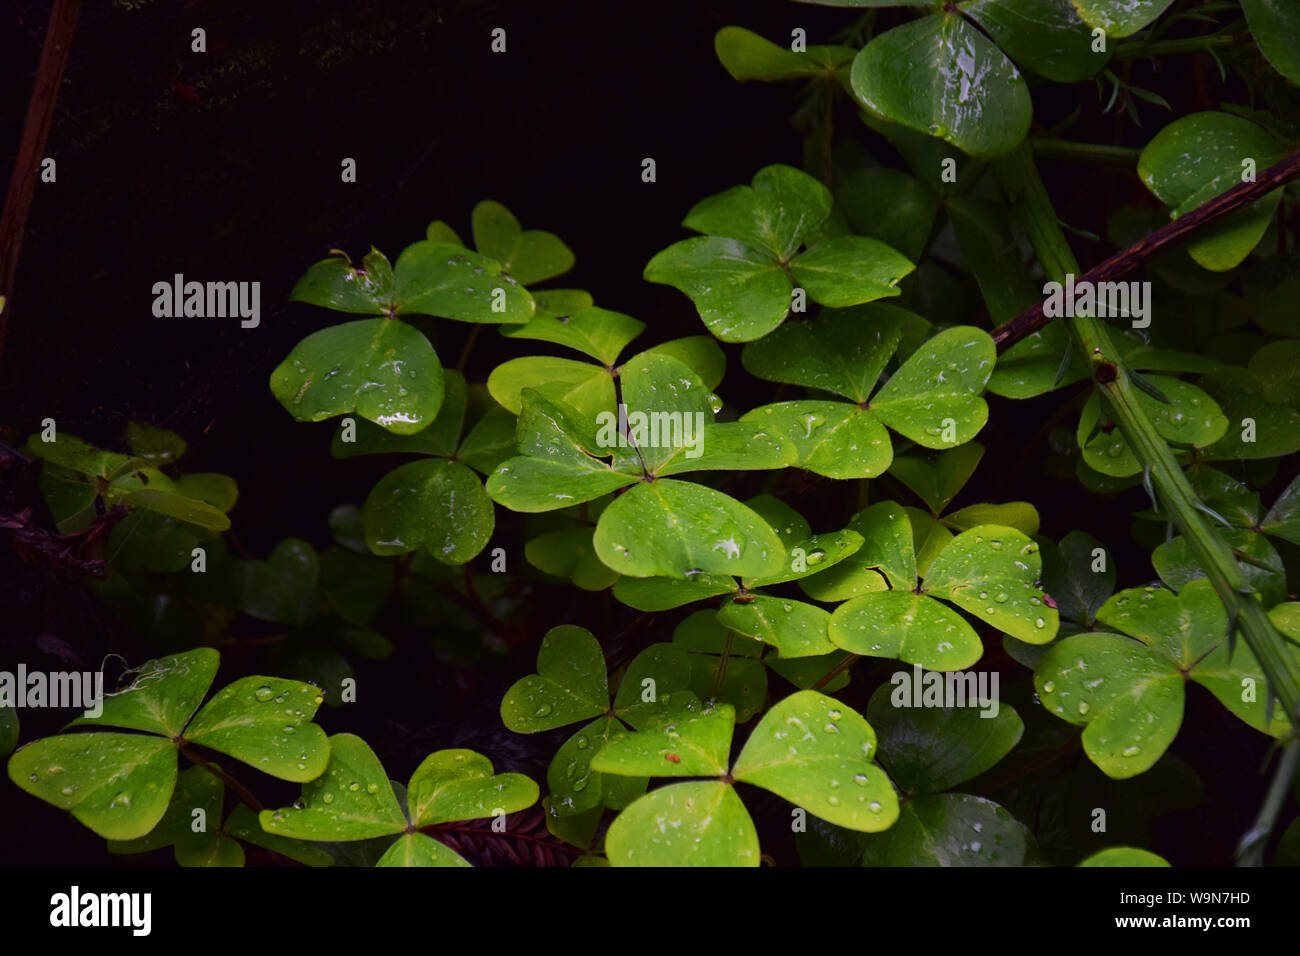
[[885, 292]]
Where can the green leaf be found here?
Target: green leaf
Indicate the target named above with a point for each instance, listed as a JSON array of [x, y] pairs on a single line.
[[352, 800], [435, 278], [531, 256], [1277, 366], [1276, 28], [1130, 697], [700, 353], [599, 333], [659, 389], [162, 696], [676, 529], [574, 787], [740, 292], [1070, 575], [554, 468], [452, 785], [931, 749], [837, 352], [1283, 519], [569, 553], [282, 588], [817, 753], [834, 439], [336, 284], [984, 234], [119, 785], [557, 303], [685, 824], [156, 445], [490, 442], [1045, 36], [1259, 561], [941, 76], [1125, 856], [776, 214], [1032, 366], [949, 829], [1256, 427], [437, 505], [664, 594], [1020, 515], [850, 270], [382, 369], [938, 388], [243, 825], [890, 206], [937, 479], [794, 628], [75, 454], [570, 684], [438, 438], [417, 849], [748, 56], [588, 389], [683, 745], [266, 723], [1196, 158], [991, 571], [908, 627], [1120, 18]]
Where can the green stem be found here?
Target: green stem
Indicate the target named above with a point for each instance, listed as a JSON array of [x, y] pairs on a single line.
[[1250, 852], [720, 677], [1139, 51], [1035, 213], [1089, 152]]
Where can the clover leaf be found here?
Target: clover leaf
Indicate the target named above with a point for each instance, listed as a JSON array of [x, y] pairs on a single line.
[[933, 398], [571, 685], [120, 785], [743, 272], [809, 749], [937, 479], [1276, 28], [354, 800], [1127, 691]]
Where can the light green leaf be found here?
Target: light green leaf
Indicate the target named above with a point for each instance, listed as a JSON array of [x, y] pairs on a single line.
[[664, 594], [417, 849], [452, 785], [841, 352], [266, 723], [574, 787], [700, 353], [162, 695], [531, 256], [438, 438], [1120, 18], [569, 553], [937, 479], [740, 292], [684, 745], [570, 684], [586, 388], [352, 800], [850, 270], [676, 529], [817, 753], [748, 56], [382, 369], [941, 76], [684, 824], [1125, 856], [1020, 515], [775, 214], [834, 439], [908, 627], [1031, 366], [440, 279], [933, 398], [600, 333], [434, 504], [119, 785], [335, 283], [794, 628], [991, 571]]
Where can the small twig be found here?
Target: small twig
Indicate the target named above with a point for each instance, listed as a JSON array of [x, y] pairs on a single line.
[[31, 149], [238, 788], [1125, 261], [834, 672]]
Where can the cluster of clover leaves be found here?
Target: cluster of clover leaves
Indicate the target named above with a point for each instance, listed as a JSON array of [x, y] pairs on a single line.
[[891, 392]]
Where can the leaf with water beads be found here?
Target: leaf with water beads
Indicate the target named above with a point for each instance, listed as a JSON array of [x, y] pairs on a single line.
[[570, 684], [266, 723], [794, 628], [950, 829], [119, 785], [1125, 856], [382, 369], [418, 849], [817, 753], [699, 823], [453, 785], [992, 571], [162, 695], [434, 278], [908, 627], [435, 504]]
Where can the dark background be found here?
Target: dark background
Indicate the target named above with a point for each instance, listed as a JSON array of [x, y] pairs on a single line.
[[225, 166]]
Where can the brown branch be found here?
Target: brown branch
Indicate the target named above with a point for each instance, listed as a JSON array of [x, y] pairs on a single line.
[[1126, 260], [36, 130]]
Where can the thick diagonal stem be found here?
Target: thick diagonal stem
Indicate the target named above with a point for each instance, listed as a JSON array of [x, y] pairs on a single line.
[[1034, 212]]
